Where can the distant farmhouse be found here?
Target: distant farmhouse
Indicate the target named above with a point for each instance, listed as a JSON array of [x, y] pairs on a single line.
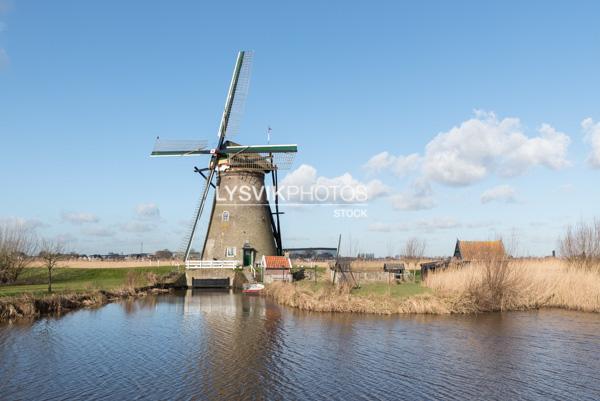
[[479, 250], [466, 252]]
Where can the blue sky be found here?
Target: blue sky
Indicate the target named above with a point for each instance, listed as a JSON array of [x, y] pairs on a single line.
[[488, 114]]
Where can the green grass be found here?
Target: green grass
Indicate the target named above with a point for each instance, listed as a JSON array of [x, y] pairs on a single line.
[[403, 290], [35, 280], [393, 290]]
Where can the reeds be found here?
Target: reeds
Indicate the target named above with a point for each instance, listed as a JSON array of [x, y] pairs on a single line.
[[330, 298], [519, 285], [485, 287]]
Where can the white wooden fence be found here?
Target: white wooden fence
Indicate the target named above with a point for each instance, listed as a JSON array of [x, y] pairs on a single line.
[[211, 264]]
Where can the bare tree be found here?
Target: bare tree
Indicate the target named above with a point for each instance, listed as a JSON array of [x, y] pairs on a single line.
[[51, 253], [512, 244], [390, 248], [164, 254], [414, 248], [581, 245], [17, 246]]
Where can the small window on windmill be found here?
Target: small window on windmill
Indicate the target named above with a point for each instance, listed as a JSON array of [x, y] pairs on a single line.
[[230, 252], [225, 216]]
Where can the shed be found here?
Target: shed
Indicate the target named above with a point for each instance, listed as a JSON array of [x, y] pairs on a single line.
[[276, 268], [479, 250], [393, 267], [398, 269]]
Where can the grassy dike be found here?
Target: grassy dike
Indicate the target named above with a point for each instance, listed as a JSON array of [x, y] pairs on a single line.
[[75, 288]]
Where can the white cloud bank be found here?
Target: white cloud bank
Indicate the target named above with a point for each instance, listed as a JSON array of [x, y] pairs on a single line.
[[438, 223], [478, 147], [418, 197], [137, 227], [147, 211], [98, 232], [592, 137], [399, 165], [28, 224], [304, 185], [501, 193], [484, 145], [79, 218]]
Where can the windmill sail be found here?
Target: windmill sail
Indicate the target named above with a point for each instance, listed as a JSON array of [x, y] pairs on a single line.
[[227, 161], [198, 213], [163, 148], [236, 97]]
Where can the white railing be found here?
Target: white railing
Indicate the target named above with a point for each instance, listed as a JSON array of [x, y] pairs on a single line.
[[211, 264]]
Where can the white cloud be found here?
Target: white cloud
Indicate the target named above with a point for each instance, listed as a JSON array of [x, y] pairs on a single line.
[[419, 197], [592, 137], [485, 144], [443, 223], [147, 211], [437, 223], [303, 185], [478, 147], [29, 224], [501, 193], [65, 238], [137, 227], [398, 165], [98, 232], [79, 217], [481, 224], [387, 227]]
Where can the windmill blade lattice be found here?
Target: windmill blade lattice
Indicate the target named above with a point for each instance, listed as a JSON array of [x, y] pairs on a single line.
[[179, 148], [239, 96]]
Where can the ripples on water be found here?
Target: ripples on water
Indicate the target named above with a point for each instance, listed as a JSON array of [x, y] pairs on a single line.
[[220, 345]]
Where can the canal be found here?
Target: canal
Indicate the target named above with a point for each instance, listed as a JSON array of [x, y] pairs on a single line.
[[223, 345]]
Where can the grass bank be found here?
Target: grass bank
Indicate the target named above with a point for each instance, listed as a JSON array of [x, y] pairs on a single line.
[[77, 288], [493, 286], [370, 298], [35, 280]]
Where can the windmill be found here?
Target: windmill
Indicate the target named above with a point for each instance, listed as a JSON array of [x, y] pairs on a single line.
[[240, 228]]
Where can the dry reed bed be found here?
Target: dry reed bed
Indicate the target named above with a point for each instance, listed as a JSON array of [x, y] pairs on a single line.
[[491, 286], [339, 299], [521, 285]]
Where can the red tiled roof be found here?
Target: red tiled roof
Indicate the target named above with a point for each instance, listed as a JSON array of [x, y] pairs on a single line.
[[479, 250], [276, 262]]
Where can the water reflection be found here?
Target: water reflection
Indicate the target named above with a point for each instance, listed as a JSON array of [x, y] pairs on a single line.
[[224, 345]]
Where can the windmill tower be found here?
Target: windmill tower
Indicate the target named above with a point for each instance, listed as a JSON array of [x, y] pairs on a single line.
[[242, 225]]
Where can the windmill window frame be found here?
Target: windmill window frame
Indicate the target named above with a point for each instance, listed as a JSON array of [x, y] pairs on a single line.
[[230, 252], [225, 215]]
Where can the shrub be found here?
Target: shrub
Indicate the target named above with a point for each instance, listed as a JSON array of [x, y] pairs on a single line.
[[580, 245], [17, 245]]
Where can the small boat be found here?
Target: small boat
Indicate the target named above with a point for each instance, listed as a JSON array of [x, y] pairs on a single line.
[[252, 288]]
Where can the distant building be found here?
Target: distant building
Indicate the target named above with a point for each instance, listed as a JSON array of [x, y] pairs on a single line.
[[276, 268], [479, 250], [366, 256], [465, 252]]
